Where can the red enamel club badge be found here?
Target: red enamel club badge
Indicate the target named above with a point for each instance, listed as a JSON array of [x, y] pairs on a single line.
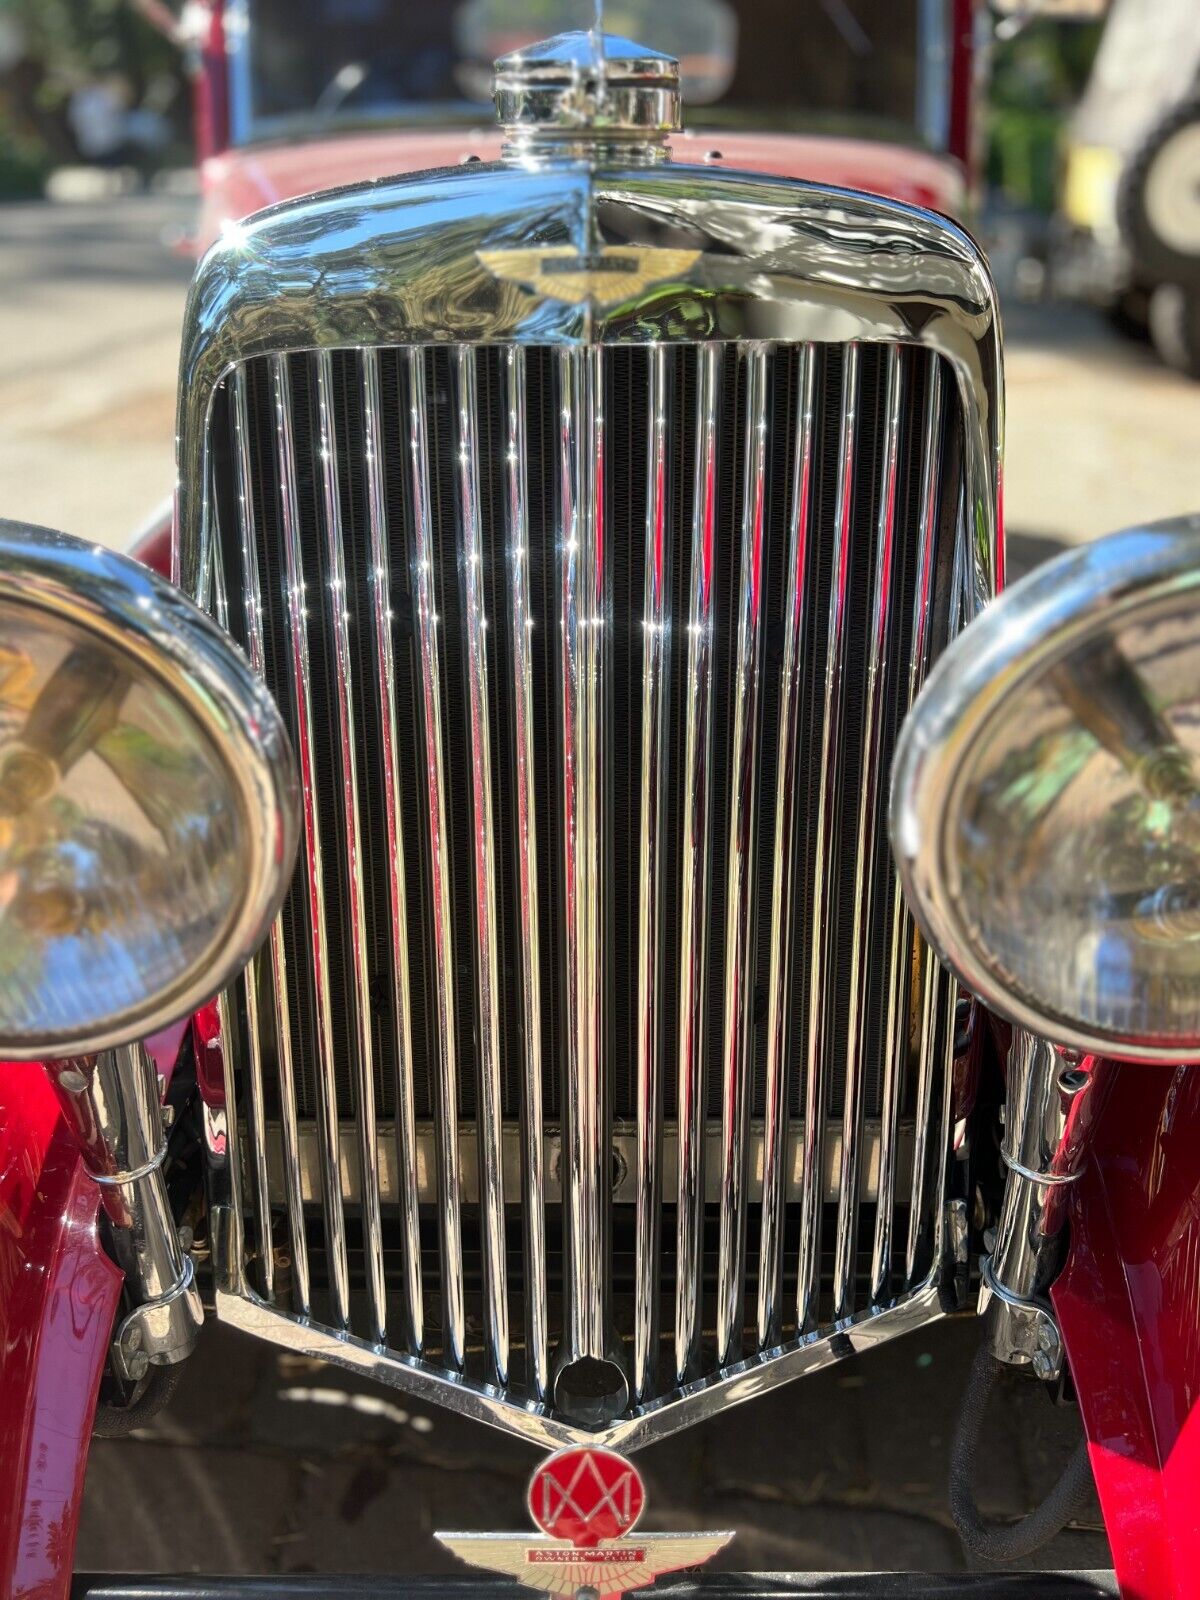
[[586, 1496], [587, 1502]]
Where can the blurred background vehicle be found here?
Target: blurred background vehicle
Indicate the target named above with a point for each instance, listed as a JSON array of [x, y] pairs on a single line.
[[1129, 231]]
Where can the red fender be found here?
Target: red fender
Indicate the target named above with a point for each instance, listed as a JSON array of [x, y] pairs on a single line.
[[151, 544], [58, 1299], [1129, 1305], [58, 1302]]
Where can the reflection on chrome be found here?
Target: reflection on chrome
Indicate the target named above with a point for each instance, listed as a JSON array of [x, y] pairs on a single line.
[[1070, 813], [146, 806], [119, 853]]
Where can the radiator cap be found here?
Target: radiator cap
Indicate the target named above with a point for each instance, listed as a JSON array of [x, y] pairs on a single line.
[[588, 84]]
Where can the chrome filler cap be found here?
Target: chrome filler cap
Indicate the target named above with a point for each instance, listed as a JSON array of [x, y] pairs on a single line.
[[585, 87]]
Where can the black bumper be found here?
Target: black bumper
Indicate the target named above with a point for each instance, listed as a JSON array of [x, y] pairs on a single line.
[[718, 1586]]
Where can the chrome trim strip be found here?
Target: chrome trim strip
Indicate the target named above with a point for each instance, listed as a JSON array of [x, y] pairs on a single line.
[[277, 949], [297, 613], [233, 1146], [796, 623], [679, 1408], [930, 981], [624, 1148], [737, 1054], [693, 919], [337, 602], [380, 585], [449, 1213], [585, 626], [655, 706], [533, 1171], [828, 824], [900, 966], [252, 621], [487, 961], [871, 793]]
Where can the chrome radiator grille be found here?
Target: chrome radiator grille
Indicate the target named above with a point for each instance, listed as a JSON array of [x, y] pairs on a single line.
[[594, 1042]]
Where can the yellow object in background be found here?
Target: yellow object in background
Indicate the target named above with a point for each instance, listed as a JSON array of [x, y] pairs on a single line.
[[1089, 197]]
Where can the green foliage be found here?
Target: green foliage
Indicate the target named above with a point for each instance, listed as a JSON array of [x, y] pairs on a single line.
[[73, 40], [1037, 77], [23, 163]]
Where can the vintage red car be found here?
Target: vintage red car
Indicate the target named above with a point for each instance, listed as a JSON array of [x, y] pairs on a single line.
[[586, 551]]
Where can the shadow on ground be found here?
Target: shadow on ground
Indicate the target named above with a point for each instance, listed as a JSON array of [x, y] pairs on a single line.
[[270, 1463]]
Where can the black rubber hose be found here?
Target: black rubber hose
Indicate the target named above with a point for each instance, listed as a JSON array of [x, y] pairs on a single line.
[[1005, 1541], [118, 1422]]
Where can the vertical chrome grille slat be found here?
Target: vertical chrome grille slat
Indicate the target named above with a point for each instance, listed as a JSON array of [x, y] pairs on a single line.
[[828, 823], [737, 1063], [698, 704], [338, 603], [900, 965], [487, 964], [380, 584], [655, 663], [869, 822], [252, 631], [931, 992], [297, 619], [533, 1178], [585, 626], [446, 1069], [797, 606], [276, 950]]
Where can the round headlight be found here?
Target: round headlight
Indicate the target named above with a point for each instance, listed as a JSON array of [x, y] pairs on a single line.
[[148, 808], [1046, 799]]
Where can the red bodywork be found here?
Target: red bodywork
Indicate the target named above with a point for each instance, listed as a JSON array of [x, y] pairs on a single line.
[[246, 180], [1129, 1305], [58, 1299]]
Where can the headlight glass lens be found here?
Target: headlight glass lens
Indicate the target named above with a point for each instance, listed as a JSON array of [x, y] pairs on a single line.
[[1071, 845], [122, 841]]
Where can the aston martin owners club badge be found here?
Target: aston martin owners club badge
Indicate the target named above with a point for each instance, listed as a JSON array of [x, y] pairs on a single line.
[[587, 1504]]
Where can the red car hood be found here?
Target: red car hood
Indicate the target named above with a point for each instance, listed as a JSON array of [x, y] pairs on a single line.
[[242, 181]]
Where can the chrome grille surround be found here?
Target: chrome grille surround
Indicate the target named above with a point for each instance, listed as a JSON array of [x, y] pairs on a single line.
[[778, 265]]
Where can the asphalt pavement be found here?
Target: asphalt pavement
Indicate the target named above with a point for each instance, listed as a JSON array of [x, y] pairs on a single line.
[[269, 1463]]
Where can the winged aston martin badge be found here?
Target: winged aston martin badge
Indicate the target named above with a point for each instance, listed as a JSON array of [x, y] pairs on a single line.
[[615, 272], [587, 1503]]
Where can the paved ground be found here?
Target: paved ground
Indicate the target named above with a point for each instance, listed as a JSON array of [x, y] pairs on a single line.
[[266, 1462], [271, 1464]]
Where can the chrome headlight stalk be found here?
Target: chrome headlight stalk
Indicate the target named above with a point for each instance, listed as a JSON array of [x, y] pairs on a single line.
[[1045, 1115], [111, 1101]]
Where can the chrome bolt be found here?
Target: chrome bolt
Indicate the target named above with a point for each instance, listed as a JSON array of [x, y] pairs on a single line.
[[133, 1339], [137, 1365], [1043, 1364], [1046, 1337]]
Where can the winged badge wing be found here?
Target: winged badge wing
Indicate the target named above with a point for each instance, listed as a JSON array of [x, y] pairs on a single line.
[[614, 1568]]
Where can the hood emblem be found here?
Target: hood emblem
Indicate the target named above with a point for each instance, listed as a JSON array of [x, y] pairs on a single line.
[[604, 277], [587, 1503]]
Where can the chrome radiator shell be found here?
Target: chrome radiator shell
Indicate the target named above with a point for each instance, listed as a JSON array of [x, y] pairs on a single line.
[[400, 267]]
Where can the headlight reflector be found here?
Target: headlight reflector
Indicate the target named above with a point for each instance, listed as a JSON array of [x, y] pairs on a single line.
[[147, 800], [1046, 799]]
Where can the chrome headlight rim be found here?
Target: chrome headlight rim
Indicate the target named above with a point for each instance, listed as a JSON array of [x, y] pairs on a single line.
[[1029, 629], [109, 598]]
